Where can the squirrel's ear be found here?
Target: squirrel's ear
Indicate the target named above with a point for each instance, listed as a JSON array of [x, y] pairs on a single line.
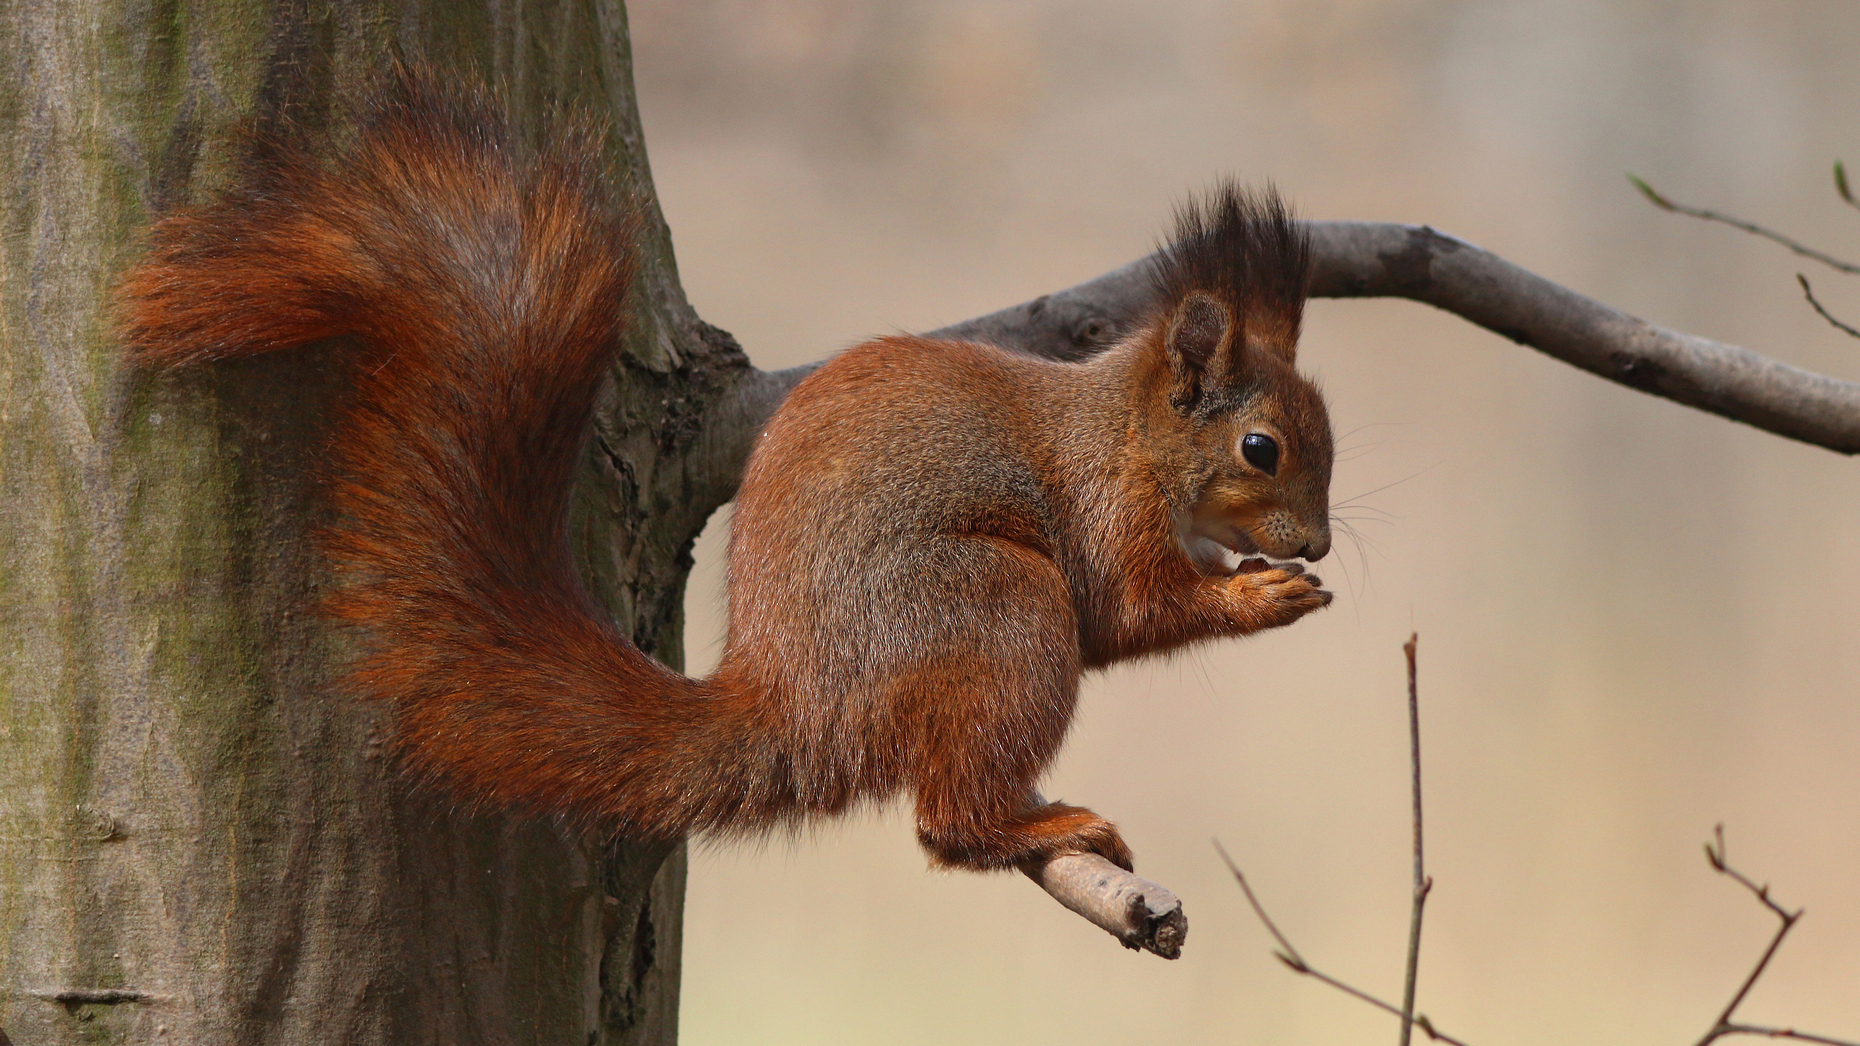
[[1201, 344]]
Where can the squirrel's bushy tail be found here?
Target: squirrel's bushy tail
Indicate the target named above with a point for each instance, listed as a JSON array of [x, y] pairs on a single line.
[[490, 291]]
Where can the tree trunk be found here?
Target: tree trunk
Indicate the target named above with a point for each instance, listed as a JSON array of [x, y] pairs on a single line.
[[200, 842]]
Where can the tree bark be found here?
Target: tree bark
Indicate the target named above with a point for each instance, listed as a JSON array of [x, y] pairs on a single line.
[[199, 841]]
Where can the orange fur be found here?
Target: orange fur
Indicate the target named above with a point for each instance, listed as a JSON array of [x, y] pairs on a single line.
[[932, 542]]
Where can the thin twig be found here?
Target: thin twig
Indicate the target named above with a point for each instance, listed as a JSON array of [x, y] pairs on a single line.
[[1840, 184], [1810, 292], [1296, 962], [1782, 1033], [1290, 954], [1422, 884], [1715, 853], [1738, 223]]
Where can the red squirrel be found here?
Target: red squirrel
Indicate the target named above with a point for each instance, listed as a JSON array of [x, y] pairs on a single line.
[[932, 540]]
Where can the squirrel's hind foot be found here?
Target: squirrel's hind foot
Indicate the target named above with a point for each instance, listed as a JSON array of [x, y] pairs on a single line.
[[1037, 834]]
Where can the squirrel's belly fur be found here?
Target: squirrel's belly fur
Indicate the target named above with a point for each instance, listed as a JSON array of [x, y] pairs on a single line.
[[931, 542]]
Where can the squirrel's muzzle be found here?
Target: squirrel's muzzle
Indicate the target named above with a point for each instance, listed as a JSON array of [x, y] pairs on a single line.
[[1317, 548]]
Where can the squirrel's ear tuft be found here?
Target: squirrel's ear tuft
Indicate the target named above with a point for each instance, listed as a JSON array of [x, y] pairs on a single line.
[[1242, 255]]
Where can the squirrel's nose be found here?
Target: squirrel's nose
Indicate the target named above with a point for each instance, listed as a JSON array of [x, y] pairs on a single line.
[[1316, 550]]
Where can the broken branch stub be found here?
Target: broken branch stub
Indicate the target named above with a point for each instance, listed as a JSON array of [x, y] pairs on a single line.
[[1139, 913]]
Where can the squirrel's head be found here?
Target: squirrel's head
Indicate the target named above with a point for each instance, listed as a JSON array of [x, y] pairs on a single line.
[[1242, 441]]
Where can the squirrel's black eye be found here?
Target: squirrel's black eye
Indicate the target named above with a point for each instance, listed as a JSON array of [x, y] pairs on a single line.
[[1261, 451]]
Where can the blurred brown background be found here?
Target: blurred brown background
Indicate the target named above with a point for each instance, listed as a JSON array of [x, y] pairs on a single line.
[[1635, 620]]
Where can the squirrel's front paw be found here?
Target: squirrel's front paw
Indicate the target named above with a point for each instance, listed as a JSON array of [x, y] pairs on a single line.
[[1270, 595]]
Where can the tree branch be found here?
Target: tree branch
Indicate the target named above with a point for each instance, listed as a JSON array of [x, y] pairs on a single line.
[[1378, 259], [1139, 913]]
